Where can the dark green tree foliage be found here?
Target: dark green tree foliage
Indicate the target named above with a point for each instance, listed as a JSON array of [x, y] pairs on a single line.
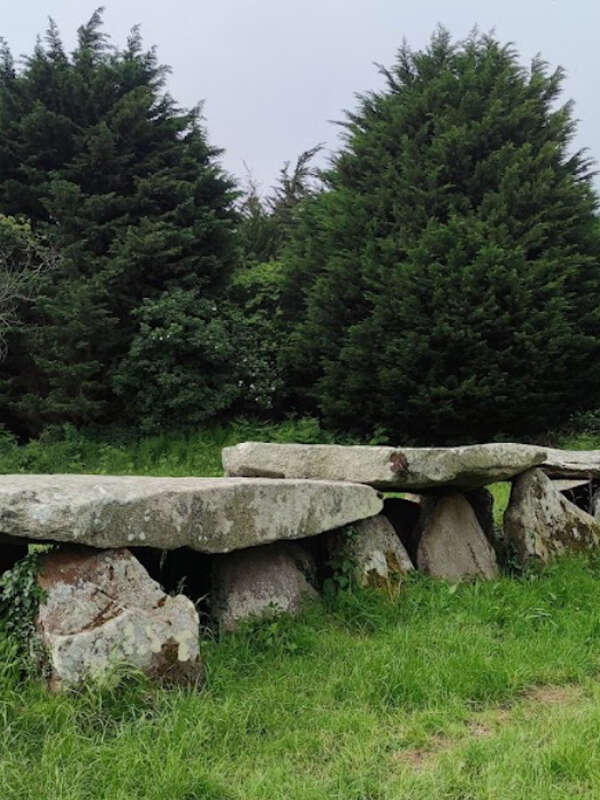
[[125, 185], [265, 226], [264, 230], [183, 356], [446, 286]]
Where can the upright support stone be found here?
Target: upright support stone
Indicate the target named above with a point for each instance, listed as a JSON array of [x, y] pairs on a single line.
[[541, 523], [452, 544], [374, 551], [101, 609], [261, 580]]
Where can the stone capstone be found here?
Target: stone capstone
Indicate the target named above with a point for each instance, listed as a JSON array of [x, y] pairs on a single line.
[[212, 515], [452, 544], [397, 468], [541, 523], [260, 581], [374, 551], [101, 609], [572, 463]]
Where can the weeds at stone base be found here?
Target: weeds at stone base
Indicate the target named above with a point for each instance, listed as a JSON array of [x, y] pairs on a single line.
[[20, 596]]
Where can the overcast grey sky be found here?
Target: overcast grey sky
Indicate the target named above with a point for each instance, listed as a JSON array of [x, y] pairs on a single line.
[[273, 73]]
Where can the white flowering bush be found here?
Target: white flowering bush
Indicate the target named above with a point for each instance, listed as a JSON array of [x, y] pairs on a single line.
[[180, 366]]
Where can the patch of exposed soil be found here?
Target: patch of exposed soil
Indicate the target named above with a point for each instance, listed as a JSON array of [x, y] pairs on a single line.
[[487, 723]]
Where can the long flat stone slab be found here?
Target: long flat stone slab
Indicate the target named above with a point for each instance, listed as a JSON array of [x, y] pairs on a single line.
[[394, 468], [572, 463], [213, 515], [568, 484]]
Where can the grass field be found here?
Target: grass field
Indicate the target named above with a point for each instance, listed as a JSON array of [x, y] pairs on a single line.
[[481, 691], [435, 694]]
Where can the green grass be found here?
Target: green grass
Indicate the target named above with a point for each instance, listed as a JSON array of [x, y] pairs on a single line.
[[363, 698], [120, 452], [501, 495], [580, 441]]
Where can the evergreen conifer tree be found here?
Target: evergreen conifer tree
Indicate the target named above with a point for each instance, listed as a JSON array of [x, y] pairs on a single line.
[[126, 186], [446, 286]]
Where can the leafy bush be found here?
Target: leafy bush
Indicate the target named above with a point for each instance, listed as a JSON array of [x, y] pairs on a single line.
[[20, 596], [254, 295], [177, 371]]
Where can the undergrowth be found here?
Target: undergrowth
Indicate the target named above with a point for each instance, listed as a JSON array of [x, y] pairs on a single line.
[[120, 452], [20, 596]]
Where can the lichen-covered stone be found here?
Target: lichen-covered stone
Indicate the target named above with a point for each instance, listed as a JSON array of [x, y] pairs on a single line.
[[374, 551], [541, 523], [212, 515], [102, 609], [261, 580], [452, 544], [572, 463], [406, 468]]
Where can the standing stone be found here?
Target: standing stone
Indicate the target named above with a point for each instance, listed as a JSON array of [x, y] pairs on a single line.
[[404, 516], [373, 548], [389, 468], [259, 581], [212, 515], [541, 523], [101, 609], [452, 544]]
